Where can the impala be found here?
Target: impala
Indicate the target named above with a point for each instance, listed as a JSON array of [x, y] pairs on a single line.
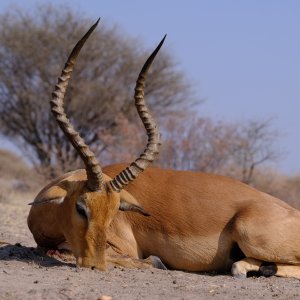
[[189, 220]]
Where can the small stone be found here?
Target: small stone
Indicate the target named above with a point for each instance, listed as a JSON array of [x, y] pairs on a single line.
[[105, 297]]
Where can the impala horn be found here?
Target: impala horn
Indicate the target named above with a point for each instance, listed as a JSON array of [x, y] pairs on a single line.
[[95, 180], [152, 149]]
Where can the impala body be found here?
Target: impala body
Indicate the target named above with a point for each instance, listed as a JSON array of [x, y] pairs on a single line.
[[192, 221], [197, 222]]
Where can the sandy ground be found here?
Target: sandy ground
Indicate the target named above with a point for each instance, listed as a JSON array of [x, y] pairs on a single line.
[[26, 274]]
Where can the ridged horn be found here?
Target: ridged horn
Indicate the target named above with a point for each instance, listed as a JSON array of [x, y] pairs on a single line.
[[94, 173], [152, 149]]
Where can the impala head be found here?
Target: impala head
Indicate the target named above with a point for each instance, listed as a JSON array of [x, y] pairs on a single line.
[[80, 206]]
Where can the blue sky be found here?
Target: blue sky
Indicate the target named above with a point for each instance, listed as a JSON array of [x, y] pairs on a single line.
[[243, 57]]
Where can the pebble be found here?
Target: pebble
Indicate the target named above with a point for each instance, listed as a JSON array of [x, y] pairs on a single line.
[[105, 297]]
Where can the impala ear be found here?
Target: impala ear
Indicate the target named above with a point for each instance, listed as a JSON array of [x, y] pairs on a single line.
[[125, 206], [129, 203], [57, 200], [54, 194]]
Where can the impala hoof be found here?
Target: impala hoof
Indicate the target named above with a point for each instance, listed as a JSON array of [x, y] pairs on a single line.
[[268, 269], [157, 263]]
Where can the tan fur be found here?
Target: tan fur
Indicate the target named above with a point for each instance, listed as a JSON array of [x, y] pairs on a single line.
[[195, 222], [191, 221]]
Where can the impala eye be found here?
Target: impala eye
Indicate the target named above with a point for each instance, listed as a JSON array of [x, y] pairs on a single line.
[[81, 210]]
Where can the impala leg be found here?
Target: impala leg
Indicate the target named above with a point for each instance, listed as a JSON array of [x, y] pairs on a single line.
[[113, 260], [240, 268], [270, 240], [60, 254]]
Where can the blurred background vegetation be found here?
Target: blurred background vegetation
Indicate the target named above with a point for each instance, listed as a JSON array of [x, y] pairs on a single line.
[[34, 47]]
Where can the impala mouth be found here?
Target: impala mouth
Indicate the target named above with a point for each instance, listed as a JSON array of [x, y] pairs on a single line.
[[91, 263]]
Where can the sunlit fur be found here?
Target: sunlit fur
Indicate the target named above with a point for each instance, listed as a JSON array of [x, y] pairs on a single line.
[[195, 222]]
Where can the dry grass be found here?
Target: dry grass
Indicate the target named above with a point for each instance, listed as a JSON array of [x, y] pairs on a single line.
[[18, 181]]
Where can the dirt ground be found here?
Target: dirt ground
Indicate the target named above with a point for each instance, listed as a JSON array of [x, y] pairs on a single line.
[[26, 274]]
